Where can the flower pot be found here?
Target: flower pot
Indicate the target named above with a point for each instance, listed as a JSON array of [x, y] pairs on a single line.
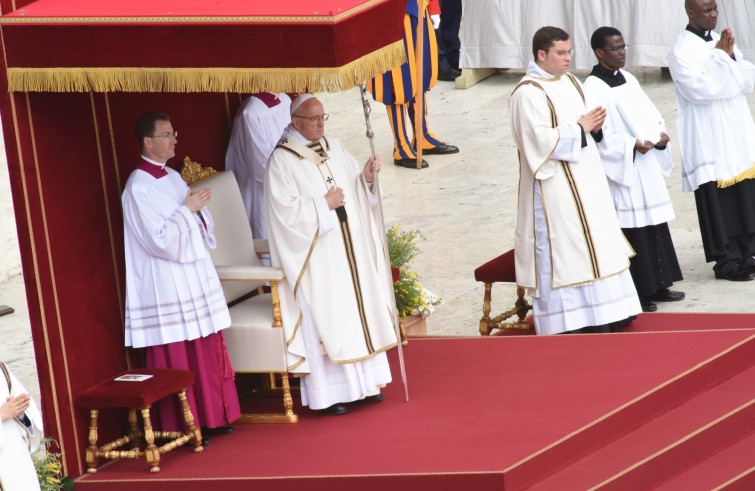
[[414, 325]]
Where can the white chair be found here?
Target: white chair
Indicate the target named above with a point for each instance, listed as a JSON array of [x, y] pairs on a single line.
[[256, 342]]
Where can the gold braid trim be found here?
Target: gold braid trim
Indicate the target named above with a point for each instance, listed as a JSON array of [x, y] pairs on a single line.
[[234, 80], [748, 174]]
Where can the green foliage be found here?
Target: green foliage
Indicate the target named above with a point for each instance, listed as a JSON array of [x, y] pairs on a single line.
[[402, 246], [411, 297], [49, 468]]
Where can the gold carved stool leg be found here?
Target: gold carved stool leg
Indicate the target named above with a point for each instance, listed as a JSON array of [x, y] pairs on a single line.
[[134, 433], [485, 320], [151, 452], [195, 434], [91, 452]]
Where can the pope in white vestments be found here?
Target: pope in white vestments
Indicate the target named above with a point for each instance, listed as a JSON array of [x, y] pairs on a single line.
[[175, 307], [717, 139], [570, 252], [635, 165], [324, 234], [20, 434], [257, 127]]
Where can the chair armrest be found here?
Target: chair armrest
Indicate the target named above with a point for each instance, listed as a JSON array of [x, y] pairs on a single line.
[[249, 273], [261, 246]]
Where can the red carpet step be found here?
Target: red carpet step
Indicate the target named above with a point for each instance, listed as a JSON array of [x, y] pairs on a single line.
[[501, 413]]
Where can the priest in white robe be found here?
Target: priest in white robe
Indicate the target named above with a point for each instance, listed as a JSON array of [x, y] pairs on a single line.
[[257, 127], [175, 307], [635, 167], [324, 234], [20, 434], [717, 139], [570, 253]]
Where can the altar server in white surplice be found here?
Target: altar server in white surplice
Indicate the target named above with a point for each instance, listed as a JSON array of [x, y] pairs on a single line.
[[20, 434], [717, 139], [635, 168], [570, 252], [257, 127], [324, 234], [175, 306]]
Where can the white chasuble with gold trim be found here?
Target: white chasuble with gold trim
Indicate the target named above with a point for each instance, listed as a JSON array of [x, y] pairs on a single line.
[[338, 270]]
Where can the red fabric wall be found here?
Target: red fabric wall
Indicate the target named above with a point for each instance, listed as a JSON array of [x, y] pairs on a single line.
[[76, 152]]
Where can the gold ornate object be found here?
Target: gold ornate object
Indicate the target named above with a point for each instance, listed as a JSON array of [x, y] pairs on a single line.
[[521, 307], [277, 317], [193, 172]]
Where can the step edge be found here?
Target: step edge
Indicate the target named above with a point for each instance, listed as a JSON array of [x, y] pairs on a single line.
[[515, 481], [616, 479]]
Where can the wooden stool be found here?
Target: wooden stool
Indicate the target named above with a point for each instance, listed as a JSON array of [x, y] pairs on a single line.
[[139, 395], [501, 270]]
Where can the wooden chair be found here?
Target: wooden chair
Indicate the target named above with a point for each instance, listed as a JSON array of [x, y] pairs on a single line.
[[501, 270], [138, 397], [255, 341]]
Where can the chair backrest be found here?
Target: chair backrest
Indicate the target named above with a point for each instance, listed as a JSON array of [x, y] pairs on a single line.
[[232, 232]]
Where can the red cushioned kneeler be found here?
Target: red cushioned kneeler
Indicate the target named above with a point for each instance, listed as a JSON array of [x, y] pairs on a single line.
[[501, 270], [139, 396]]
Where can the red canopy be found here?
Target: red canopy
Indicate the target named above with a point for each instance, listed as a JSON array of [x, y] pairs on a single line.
[[76, 75], [200, 45]]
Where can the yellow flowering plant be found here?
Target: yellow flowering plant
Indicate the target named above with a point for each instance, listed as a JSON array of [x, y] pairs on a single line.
[[411, 297], [49, 468]]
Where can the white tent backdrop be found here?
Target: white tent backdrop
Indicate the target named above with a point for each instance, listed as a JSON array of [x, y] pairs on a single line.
[[498, 33]]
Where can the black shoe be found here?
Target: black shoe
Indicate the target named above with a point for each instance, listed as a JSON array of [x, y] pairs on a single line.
[[334, 410], [441, 150], [666, 295], [736, 274], [647, 305], [410, 163], [220, 430], [372, 399], [448, 74], [205, 442]]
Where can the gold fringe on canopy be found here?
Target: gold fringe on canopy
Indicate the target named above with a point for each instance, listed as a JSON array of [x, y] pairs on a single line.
[[234, 80], [748, 174]]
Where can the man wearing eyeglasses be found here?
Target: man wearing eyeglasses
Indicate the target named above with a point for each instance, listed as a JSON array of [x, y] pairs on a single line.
[[175, 307], [325, 234], [717, 139], [636, 157], [570, 252]]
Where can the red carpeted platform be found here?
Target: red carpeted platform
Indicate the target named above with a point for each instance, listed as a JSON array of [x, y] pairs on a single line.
[[490, 413]]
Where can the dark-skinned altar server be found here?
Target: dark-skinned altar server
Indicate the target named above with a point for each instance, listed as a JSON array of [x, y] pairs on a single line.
[[570, 253], [717, 139], [635, 169], [175, 307], [321, 207], [257, 127], [396, 88]]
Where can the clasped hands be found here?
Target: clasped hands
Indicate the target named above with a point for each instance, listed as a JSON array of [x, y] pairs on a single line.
[[593, 121], [195, 200], [14, 406], [726, 42]]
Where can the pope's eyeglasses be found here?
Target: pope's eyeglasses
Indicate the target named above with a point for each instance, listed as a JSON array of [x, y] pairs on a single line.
[[315, 119]]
